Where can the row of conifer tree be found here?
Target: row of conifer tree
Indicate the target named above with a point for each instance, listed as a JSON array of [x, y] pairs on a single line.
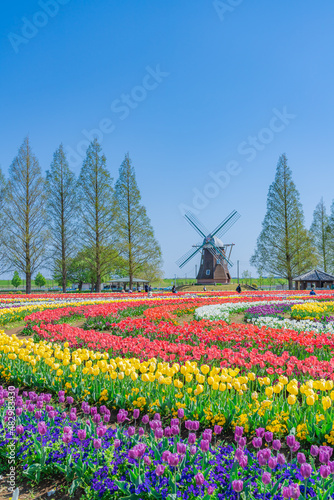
[[83, 229], [285, 247]]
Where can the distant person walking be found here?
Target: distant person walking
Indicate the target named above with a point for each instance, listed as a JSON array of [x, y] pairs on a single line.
[[238, 289], [174, 289]]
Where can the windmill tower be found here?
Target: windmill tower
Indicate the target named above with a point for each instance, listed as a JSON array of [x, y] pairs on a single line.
[[215, 258]]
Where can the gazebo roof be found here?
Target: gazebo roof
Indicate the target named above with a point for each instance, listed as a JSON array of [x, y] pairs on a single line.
[[314, 275]]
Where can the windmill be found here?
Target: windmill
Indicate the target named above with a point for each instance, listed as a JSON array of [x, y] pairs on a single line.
[[216, 255]]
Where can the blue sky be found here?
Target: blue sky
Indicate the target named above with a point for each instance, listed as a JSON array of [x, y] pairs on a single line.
[[194, 91]]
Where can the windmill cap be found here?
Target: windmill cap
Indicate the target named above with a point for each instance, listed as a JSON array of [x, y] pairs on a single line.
[[216, 241]]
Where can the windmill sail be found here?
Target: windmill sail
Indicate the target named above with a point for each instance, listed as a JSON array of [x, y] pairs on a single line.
[[189, 255], [227, 223]]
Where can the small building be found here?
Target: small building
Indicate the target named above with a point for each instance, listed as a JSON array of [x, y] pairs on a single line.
[[117, 283], [314, 279]]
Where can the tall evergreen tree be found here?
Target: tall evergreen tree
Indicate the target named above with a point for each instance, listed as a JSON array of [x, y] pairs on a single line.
[[139, 247], [284, 246], [24, 211], [331, 240], [2, 218], [320, 230], [62, 213], [96, 205]]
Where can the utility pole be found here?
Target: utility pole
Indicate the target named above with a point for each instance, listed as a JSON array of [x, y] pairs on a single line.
[[238, 271]]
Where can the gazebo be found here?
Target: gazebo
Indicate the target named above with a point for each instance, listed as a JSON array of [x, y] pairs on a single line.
[[314, 278], [117, 282]]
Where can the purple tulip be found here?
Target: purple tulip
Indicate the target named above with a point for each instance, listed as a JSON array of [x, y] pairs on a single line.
[[188, 425], [160, 470], [210, 490], [93, 411], [217, 429], [237, 485], [67, 437], [242, 442], [69, 400], [18, 411], [145, 419], [181, 448], [286, 492], [159, 433], [260, 432], [199, 479], [42, 429], [238, 432], [175, 430], [141, 431], [97, 443], [324, 471], [147, 460], [168, 432], [323, 456], [19, 429], [136, 413], [204, 445], [277, 444], [306, 470], [154, 424], [257, 442], [174, 421], [101, 430], [165, 455], [295, 447], [81, 434], [261, 458], [266, 478], [281, 459], [268, 436], [61, 399], [38, 414], [131, 431], [193, 450], [238, 453], [195, 425], [103, 409], [117, 443], [243, 461], [96, 418], [192, 438], [331, 466], [173, 460], [157, 416], [294, 491], [52, 414], [301, 459], [106, 418], [73, 417], [290, 441], [272, 462], [39, 405], [180, 413]]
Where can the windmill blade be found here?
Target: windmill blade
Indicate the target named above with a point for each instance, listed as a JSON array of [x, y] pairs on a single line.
[[216, 252], [196, 224], [189, 255], [227, 223]]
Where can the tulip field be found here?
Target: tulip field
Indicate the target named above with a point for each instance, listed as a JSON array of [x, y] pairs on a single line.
[[213, 395]]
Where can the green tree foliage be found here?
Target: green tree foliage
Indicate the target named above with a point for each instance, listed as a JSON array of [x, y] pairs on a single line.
[[2, 219], [62, 213], [321, 233], [96, 204], [331, 240], [284, 246], [16, 280], [138, 245], [25, 231], [40, 281]]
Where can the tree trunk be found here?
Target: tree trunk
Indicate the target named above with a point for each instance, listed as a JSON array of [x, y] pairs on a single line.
[[80, 286], [98, 284], [64, 283], [28, 283], [290, 283]]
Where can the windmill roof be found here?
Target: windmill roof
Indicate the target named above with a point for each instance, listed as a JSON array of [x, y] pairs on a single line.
[[217, 242], [314, 275]]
